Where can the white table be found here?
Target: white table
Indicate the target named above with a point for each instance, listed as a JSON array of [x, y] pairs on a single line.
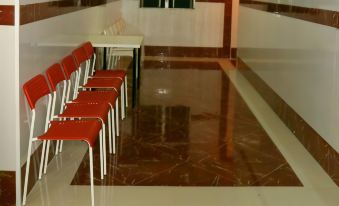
[[103, 41]]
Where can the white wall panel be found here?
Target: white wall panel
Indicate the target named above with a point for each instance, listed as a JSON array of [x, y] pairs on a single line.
[[7, 103], [6, 2], [199, 27], [297, 59]]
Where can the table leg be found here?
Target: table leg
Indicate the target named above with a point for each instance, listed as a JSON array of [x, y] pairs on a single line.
[[104, 66], [139, 69], [135, 78]]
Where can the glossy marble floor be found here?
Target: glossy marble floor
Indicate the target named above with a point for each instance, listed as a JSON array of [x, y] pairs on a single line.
[[199, 123]]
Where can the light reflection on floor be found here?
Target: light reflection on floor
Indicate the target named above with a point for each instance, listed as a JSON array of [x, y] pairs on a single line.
[[318, 189]]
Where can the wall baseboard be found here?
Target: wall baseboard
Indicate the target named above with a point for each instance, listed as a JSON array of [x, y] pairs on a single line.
[[325, 155]]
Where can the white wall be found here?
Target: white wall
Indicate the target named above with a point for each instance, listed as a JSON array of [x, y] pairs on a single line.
[[7, 103], [298, 60], [36, 59], [7, 90], [199, 27], [6, 2]]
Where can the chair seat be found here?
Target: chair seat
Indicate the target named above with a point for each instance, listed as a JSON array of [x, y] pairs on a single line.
[[86, 130], [83, 110], [110, 74], [97, 97], [104, 83]]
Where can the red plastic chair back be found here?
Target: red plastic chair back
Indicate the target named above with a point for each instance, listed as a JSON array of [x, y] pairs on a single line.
[[88, 49], [69, 66], [80, 56], [35, 88], [55, 75]]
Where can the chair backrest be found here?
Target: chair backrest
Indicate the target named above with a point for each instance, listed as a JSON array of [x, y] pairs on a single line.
[[35, 89], [72, 74], [69, 66], [55, 75], [88, 47], [83, 62], [80, 55]]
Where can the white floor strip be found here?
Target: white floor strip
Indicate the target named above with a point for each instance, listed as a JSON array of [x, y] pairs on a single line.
[[305, 166]]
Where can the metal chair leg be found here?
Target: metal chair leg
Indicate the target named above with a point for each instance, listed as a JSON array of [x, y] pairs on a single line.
[[117, 116], [91, 173]]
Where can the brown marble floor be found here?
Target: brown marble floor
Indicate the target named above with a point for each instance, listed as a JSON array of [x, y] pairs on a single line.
[[191, 128]]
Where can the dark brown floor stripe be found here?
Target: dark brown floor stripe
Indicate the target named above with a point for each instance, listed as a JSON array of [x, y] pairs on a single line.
[[7, 188]]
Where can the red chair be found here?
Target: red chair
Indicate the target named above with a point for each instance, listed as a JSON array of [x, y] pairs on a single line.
[[98, 111], [83, 130], [106, 97], [116, 84], [118, 73]]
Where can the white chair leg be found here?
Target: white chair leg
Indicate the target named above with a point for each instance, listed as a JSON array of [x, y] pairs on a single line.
[[112, 63], [117, 116], [27, 171], [122, 99], [61, 144], [57, 147], [91, 174], [113, 126], [110, 131], [101, 155], [126, 99], [116, 60], [104, 148], [42, 158], [46, 156]]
